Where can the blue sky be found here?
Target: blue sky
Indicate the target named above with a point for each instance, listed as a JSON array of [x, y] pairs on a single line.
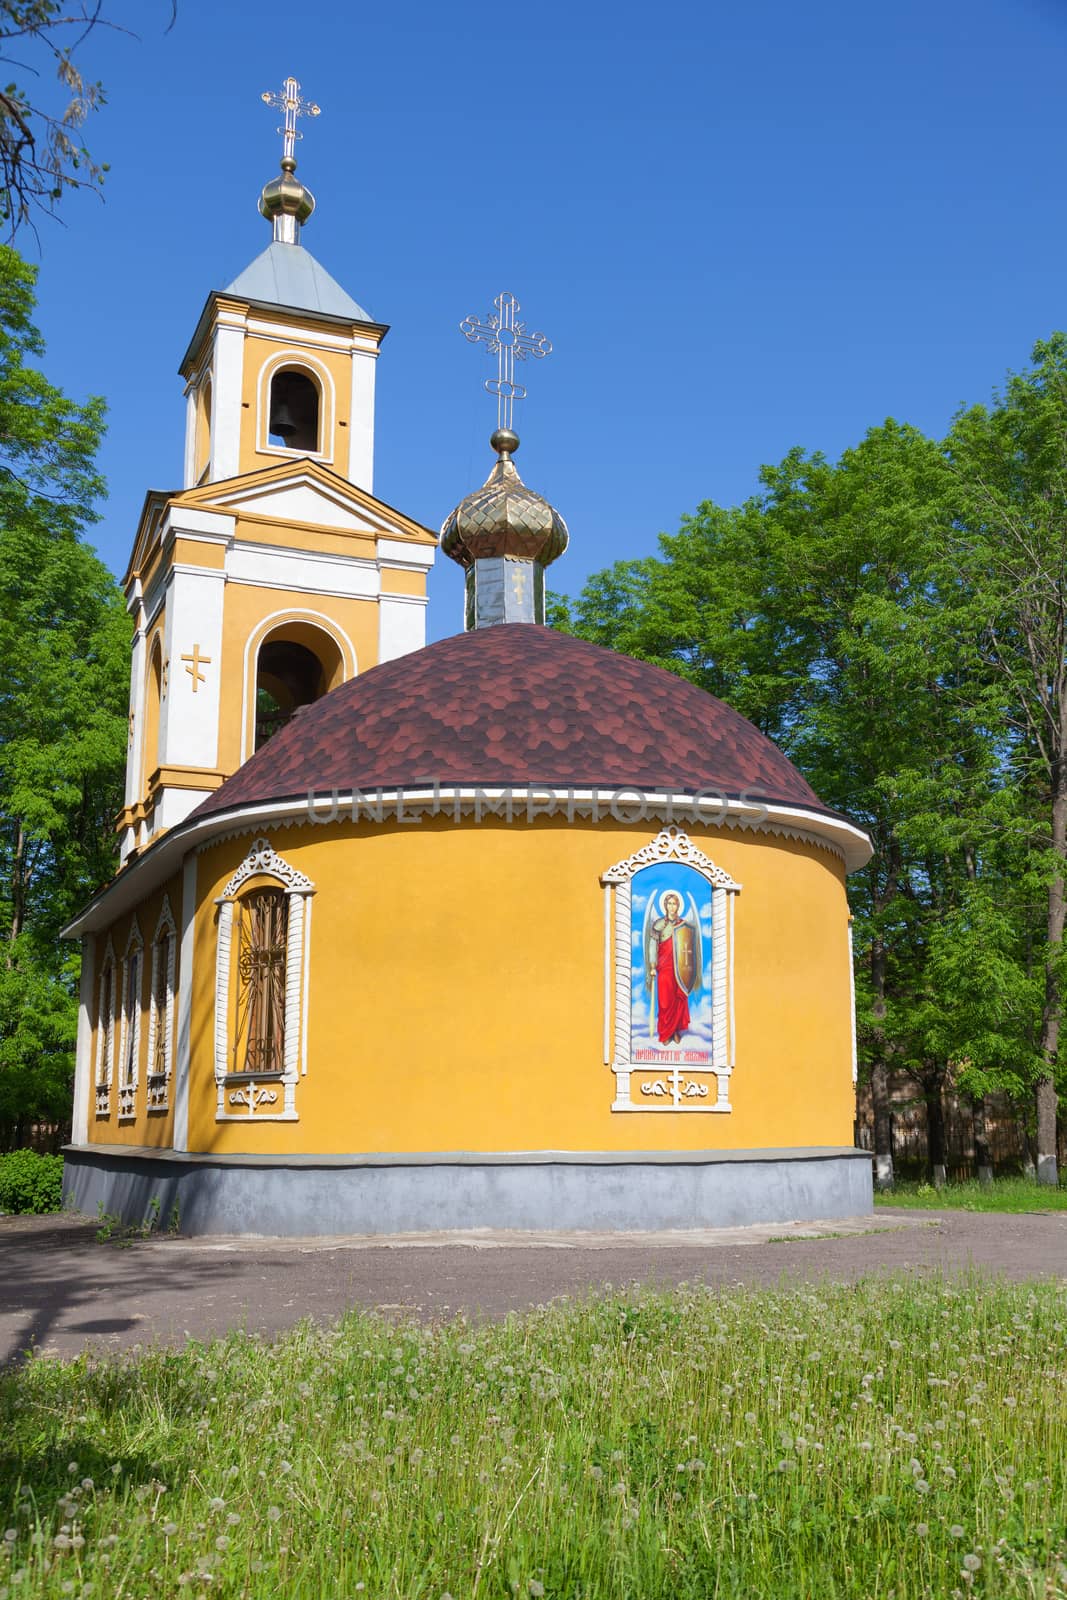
[[743, 227]]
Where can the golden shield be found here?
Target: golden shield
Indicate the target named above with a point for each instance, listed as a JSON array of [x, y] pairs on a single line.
[[685, 956]]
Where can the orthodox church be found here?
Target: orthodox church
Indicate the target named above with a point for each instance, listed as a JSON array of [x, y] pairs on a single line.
[[504, 931]]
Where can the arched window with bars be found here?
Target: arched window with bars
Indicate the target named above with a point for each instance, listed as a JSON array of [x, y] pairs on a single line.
[[160, 1052], [105, 1033], [262, 919], [261, 982], [130, 1046]]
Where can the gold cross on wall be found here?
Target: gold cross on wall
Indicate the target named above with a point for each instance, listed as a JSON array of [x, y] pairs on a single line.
[[196, 661]]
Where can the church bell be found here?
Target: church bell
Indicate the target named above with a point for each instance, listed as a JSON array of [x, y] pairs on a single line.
[[281, 420]]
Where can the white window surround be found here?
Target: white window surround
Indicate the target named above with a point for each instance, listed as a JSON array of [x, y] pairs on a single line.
[[105, 1032], [241, 1097], [130, 1042], [669, 845], [322, 378], [164, 949]]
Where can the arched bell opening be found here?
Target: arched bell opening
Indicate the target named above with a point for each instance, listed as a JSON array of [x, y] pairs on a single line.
[[296, 665], [203, 429], [293, 411], [152, 713]]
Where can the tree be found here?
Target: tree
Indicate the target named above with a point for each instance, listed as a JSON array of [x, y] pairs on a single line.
[[825, 610], [64, 653], [42, 156], [1009, 550]]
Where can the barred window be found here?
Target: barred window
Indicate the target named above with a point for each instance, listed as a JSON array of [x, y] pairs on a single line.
[[105, 1035], [164, 964], [262, 931], [261, 984], [161, 1010], [130, 1045]]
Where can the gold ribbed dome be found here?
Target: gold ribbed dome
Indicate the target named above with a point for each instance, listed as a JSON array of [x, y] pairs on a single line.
[[503, 517], [286, 202]]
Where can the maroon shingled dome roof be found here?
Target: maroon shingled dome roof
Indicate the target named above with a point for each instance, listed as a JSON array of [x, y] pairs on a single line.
[[514, 705]]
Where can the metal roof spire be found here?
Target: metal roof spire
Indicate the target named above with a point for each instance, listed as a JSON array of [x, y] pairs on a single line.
[[285, 201], [504, 535]]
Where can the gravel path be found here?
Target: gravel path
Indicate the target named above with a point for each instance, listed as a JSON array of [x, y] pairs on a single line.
[[61, 1291]]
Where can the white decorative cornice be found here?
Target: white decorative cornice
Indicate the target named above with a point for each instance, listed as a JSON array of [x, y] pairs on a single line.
[[165, 920], [263, 860], [842, 841], [670, 845]]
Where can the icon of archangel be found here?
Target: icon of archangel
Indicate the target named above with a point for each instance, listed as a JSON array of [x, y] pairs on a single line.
[[671, 990]]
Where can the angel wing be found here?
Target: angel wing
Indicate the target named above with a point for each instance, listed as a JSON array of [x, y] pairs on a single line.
[[698, 946]]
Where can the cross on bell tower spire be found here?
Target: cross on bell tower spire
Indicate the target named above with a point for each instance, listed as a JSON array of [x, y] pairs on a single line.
[[290, 102], [285, 201]]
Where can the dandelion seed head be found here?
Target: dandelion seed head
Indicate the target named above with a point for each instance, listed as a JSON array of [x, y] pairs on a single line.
[[972, 1562]]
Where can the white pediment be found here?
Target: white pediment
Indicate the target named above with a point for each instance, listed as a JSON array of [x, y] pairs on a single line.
[[303, 502]]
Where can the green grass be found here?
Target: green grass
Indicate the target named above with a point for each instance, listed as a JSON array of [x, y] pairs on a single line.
[[1004, 1194], [897, 1438]]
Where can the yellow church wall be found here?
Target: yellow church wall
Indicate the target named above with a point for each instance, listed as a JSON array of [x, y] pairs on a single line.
[[250, 614], [457, 993], [397, 580], [197, 553], [150, 1129]]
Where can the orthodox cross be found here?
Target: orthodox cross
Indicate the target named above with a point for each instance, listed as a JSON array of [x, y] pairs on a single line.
[[509, 341], [196, 661], [289, 101]]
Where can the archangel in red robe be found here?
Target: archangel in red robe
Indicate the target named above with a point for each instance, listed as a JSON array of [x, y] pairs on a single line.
[[670, 950]]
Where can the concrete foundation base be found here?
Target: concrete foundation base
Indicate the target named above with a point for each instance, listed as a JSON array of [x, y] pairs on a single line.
[[295, 1196]]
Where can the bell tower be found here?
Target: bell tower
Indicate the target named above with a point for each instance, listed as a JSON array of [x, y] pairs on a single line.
[[273, 574]]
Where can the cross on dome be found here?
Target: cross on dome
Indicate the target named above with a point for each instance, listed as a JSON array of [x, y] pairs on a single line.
[[285, 201], [289, 101], [508, 340]]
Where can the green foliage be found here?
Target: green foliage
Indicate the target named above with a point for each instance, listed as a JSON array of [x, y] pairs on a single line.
[[31, 1183], [840, 1440], [1023, 1196], [112, 1229], [64, 672]]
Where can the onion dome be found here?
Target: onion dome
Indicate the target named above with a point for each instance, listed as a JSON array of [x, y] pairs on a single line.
[[504, 536], [286, 202], [516, 708]]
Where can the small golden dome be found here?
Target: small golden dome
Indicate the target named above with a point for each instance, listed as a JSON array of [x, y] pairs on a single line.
[[285, 197], [503, 517]]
